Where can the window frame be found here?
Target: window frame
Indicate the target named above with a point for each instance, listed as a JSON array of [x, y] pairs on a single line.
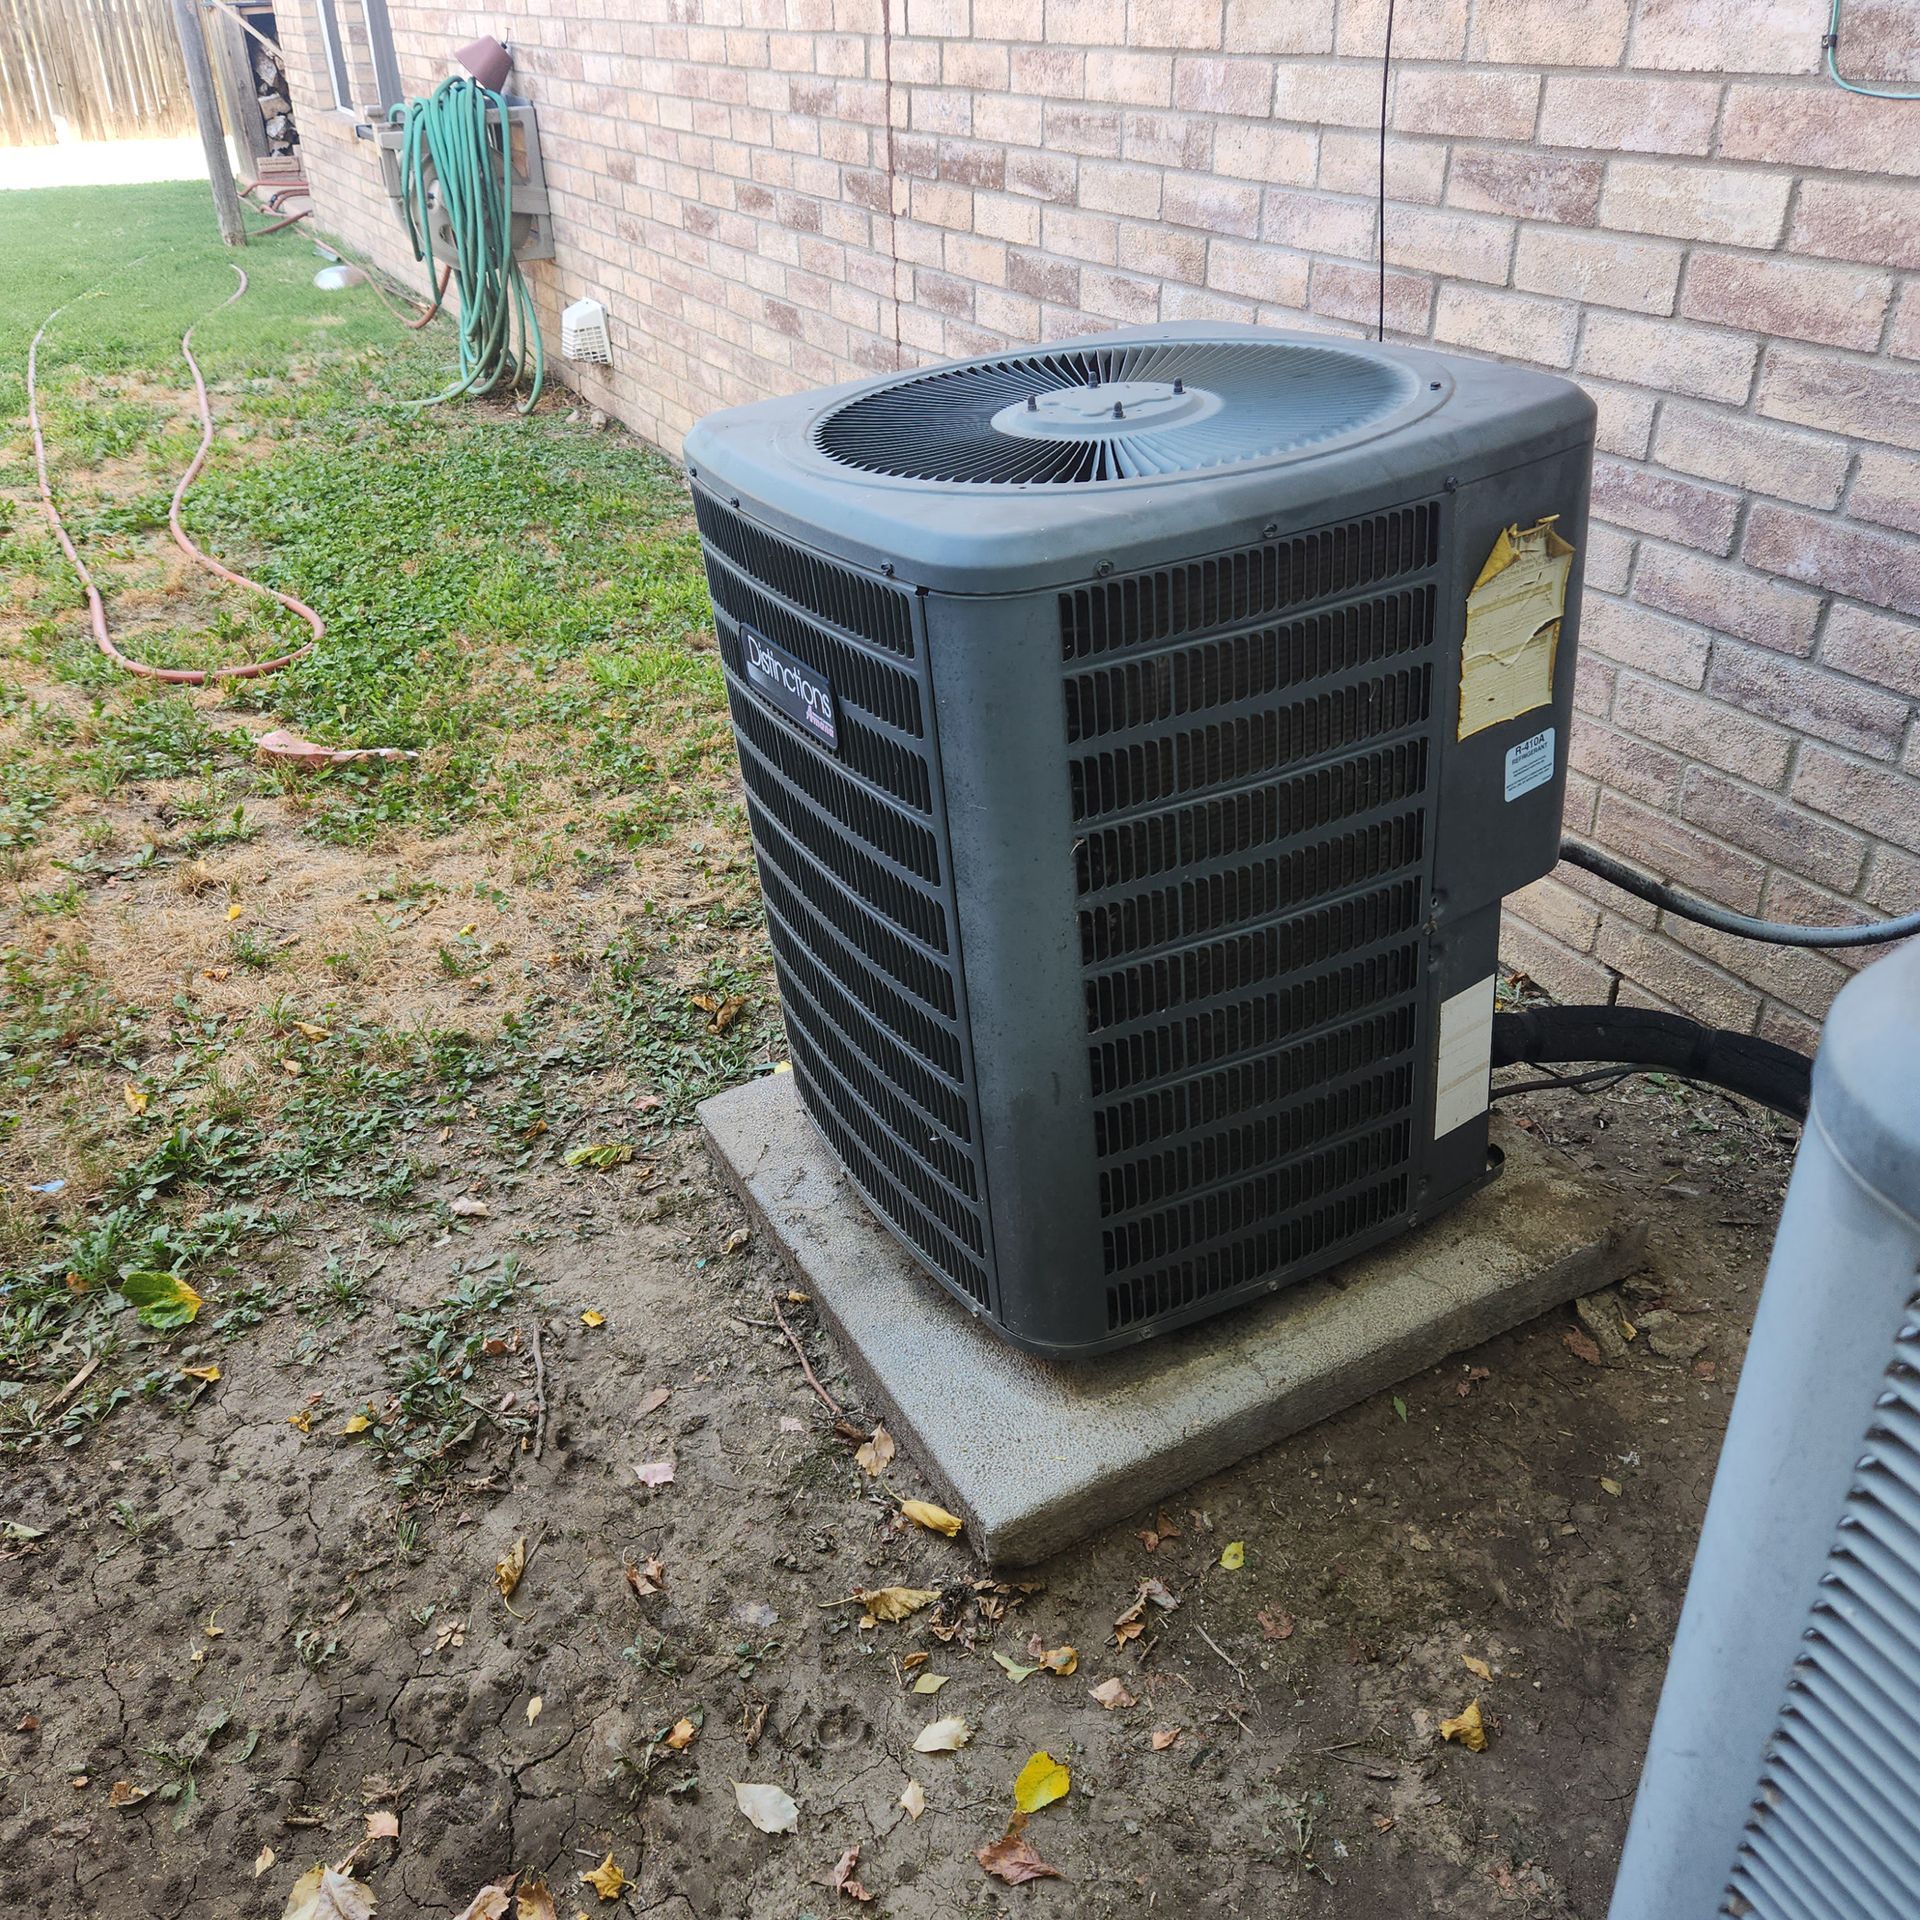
[[381, 56], [333, 53]]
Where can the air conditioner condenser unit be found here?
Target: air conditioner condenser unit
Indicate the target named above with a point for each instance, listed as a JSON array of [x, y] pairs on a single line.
[[1139, 736]]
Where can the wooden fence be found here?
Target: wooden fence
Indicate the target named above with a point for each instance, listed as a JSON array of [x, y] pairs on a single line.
[[107, 69]]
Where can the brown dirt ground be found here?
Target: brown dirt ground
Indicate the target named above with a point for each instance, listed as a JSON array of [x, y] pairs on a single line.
[[1307, 1778]]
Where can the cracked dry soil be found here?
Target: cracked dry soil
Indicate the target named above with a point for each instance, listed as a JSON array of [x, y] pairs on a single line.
[[1307, 1779]]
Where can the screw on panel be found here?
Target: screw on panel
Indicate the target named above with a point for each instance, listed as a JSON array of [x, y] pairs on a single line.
[[1270, 529], [1104, 568], [1433, 386], [1033, 403], [733, 499], [1119, 412], [886, 567], [1451, 484], [1179, 386]]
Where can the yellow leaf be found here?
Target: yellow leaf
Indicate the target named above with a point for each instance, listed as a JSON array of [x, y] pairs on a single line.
[[135, 1097], [681, 1738], [1478, 1668], [930, 1682], [1061, 1660], [923, 1513], [606, 1880], [507, 1571], [1042, 1781], [208, 1373], [1612, 1487], [234, 912], [592, 1318], [467, 932], [303, 1419], [1467, 1727], [1233, 1556], [355, 1423], [895, 1603], [325, 1893], [533, 1708]]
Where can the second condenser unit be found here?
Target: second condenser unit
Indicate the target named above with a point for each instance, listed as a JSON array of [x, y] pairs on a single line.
[[1139, 736]]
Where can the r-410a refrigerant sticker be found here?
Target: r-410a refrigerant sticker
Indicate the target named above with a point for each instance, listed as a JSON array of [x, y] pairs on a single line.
[[1530, 764], [794, 687]]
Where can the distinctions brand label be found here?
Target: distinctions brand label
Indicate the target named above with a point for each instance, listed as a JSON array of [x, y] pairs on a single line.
[[793, 686]]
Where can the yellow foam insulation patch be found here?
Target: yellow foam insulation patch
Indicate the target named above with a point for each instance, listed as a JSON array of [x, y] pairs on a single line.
[[1513, 626]]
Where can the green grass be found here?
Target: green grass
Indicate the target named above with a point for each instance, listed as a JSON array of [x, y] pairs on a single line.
[[519, 601]]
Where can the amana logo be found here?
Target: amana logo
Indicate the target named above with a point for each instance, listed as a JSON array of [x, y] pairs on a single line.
[[793, 686]]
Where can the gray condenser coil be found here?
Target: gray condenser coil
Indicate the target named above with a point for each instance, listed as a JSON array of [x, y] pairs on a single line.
[[1138, 737], [1779, 1782]]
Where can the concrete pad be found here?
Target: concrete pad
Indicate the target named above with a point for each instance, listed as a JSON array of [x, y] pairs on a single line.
[[1035, 1454]]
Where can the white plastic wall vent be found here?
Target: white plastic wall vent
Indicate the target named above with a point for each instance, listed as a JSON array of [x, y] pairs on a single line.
[[583, 332]]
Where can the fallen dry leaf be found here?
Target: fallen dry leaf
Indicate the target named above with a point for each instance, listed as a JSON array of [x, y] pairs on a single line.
[[923, 1513], [536, 1903], [207, 1373], [682, 1735], [788, 1424], [287, 749], [593, 1317], [263, 1860], [737, 1239], [894, 1603], [533, 1708], [721, 1013], [1060, 1660], [135, 1097], [654, 1473], [913, 1797], [1611, 1487], [1113, 1693], [1467, 1727], [1233, 1556], [1582, 1346], [356, 1423], [1276, 1626], [449, 1633], [125, 1794], [652, 1402], [324, 1893], [489, 1903], [930, 1682], [1164, 1737], [843, 1880], [606, 1879], [1041, 1782], [1476, 1667], [874, 1455], [467, 1208], [1132, 1623], [382, 1825], [509, 1571], [771, 1809], [1011, 1858], [943, 1736]]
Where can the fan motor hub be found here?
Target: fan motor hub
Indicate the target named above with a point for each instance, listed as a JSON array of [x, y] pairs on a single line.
[[1089, 412]]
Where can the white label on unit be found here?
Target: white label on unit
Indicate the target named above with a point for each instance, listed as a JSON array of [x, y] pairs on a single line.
[[1530, 764], [1464, 1060]]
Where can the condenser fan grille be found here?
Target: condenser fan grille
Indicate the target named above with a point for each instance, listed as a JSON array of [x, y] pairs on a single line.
[[1067, 417]]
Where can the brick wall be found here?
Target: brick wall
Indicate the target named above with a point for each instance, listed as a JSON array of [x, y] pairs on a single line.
[[1661, 198]]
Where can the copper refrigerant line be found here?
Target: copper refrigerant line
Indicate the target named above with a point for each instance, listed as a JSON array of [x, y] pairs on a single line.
[[96, 607]]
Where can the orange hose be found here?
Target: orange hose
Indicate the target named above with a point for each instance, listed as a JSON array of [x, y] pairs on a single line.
[[96, 607]]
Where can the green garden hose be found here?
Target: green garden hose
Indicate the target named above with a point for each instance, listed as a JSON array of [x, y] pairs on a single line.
[[459, 134]]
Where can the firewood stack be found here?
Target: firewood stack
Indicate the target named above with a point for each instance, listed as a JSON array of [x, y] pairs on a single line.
[[276, 107]]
